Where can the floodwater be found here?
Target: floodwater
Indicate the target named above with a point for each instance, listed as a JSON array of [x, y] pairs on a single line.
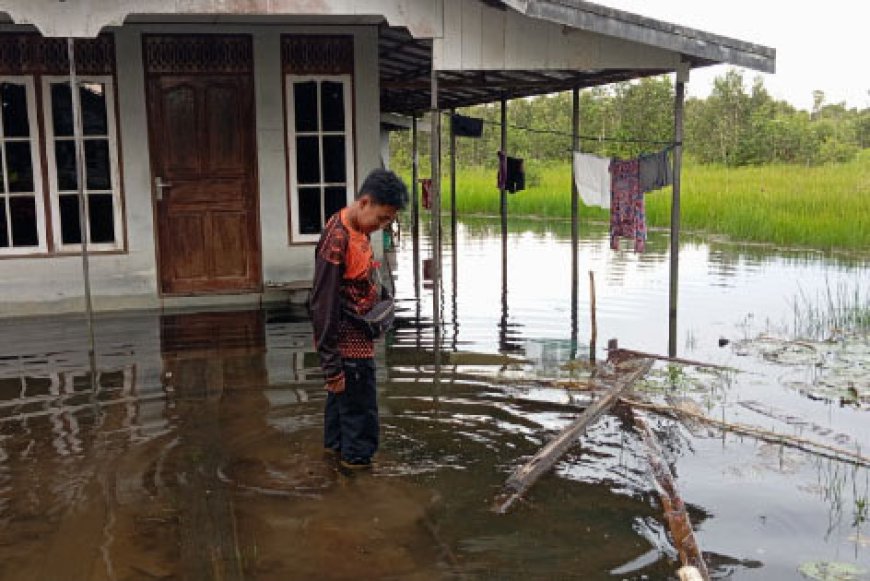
[[195, 452]]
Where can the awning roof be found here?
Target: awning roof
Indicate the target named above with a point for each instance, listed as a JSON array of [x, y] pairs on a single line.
[[405, 78], [406, 62]]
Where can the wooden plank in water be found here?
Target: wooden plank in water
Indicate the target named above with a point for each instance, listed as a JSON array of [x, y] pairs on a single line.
[[672, 505], [526, 475]]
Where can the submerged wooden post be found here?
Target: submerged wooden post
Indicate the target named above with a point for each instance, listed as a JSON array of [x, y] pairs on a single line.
[[435, 155], [682, 77], [575, 214], [592, 317], [78, 133], [526, 475]]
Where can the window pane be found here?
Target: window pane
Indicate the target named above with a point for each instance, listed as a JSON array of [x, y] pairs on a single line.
[[97, 164], [65, 158], [334, 169], [19, 168], [14, 102], [70, 233], [332, 106], [335, 200], [93, 98], [101, 218], [305, 105], [309, 210], [4, 235], [22, 210], [61, 109], [307, 160]]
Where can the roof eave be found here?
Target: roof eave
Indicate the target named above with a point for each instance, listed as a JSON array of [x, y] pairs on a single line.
[[688, 41]]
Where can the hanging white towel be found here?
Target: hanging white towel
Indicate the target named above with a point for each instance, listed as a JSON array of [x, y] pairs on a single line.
[[592, 175]]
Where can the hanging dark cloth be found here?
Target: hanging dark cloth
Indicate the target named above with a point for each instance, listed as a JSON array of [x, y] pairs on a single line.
[[655, 170], [516, 175], [466, 126], [511, 173]]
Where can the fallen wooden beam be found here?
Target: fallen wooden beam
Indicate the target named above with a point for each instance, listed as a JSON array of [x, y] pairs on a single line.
[[527, 474], [797, 442], [620, 353], [672, 504]]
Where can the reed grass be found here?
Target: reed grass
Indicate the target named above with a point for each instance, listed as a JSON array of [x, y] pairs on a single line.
[[838, 310], [825, 207]]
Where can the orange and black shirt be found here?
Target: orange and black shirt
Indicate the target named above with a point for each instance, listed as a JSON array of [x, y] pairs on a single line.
[[343, 269]]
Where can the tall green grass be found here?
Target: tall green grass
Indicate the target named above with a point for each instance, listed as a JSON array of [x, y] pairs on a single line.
[[822, 207]]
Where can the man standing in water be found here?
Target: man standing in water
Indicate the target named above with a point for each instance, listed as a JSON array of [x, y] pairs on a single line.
[[343, 280]]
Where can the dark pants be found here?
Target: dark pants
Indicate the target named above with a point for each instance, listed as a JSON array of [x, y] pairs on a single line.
[[350, 421]]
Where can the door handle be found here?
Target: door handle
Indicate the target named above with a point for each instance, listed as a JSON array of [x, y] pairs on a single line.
[[160, 185]]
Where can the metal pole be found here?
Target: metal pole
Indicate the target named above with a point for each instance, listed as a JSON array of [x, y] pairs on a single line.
[[575, 214], [80, 178], [415, 206], [503, 199], [435, 154], [675, 211], [503, 326], [452, 179]]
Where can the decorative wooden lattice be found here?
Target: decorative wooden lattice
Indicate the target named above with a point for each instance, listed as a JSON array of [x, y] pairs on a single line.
[[317, 55], [22, 54], [184, 54]]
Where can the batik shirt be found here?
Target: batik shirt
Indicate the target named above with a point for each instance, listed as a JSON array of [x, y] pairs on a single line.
[[343, 270], [627, 212]]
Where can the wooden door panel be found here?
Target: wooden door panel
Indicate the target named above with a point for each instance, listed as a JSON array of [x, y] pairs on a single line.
[[179, 130], [184, 233], [230, 244], [202, 145], [225, 144]]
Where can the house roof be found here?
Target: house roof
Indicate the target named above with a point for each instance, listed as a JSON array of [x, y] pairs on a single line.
[[414, 38]]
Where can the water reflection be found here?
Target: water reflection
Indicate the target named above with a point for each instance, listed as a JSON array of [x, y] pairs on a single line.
[[198, 455]]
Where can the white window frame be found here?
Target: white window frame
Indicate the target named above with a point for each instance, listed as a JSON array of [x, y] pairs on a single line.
[[36, 164], [117, 203], [290, 114]]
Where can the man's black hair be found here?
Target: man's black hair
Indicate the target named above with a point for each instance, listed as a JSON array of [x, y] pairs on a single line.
[[385, 187]]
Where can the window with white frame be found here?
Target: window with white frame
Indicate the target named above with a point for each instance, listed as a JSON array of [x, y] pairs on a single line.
[[102, 217], [22, 218], [320, 141]]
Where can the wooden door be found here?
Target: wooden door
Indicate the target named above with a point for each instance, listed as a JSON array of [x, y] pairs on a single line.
[[204, 174]]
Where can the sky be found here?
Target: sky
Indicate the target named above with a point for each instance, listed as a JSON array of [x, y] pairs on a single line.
[[819, 45]]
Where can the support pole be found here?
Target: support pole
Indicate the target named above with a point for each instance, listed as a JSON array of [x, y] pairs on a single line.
[[80, 179], [575, 214], [452, 179], [435, 154], [682, 77], [415, 206], [503, 201]]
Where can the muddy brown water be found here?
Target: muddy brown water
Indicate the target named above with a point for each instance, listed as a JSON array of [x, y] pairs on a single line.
[[195, 451]]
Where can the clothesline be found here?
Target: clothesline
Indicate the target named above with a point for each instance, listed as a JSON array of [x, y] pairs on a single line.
[[583, 137]]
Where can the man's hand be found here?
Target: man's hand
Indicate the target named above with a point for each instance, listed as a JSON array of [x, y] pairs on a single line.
[[335, 384]]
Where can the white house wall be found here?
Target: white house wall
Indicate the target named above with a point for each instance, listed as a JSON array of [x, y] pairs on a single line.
[[130, 279], [477, 37]]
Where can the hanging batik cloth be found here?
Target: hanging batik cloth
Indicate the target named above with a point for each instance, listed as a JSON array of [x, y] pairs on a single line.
[[627, 213]]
